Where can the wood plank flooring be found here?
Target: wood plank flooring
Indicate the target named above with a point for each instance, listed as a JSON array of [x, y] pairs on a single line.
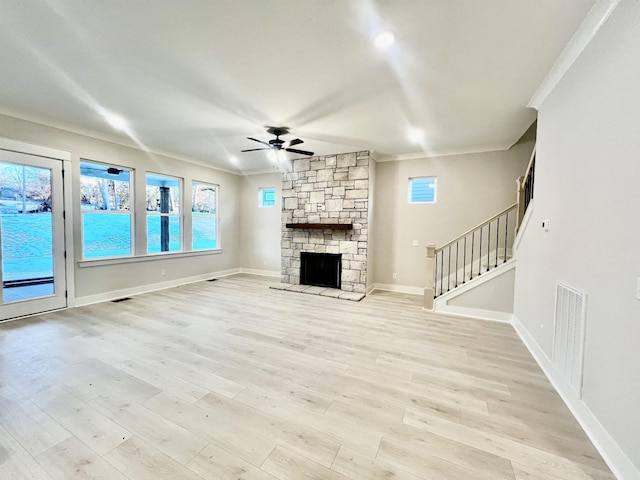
[[233, 380]]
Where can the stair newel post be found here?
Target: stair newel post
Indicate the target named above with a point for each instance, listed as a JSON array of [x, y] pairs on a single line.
[[429, 289]]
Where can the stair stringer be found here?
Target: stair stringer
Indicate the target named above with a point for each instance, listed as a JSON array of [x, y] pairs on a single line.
[[441, 304]]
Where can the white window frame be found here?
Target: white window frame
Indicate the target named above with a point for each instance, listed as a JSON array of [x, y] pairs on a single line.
[[261, 191], [130, 211], [410, 190]]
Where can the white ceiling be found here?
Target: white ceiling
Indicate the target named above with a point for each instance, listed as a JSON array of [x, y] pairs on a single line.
[[195, 78]]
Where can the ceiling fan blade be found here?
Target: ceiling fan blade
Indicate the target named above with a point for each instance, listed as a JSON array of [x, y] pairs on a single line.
[[259, 141], [254, 149], [301, 152], [295, 141]]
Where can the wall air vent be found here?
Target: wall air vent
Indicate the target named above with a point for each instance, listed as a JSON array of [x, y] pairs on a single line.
[[569, 335]]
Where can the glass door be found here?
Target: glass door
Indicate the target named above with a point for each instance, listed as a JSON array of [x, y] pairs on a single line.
[[32, 266]]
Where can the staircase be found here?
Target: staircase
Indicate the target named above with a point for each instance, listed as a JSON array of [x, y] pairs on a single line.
[[472, 254], [480, 250]]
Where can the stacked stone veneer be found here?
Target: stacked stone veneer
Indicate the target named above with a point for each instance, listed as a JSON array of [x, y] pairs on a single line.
[[340, 185]]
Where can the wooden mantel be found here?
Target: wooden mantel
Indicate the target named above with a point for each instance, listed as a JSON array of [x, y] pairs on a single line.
[[321, 226]]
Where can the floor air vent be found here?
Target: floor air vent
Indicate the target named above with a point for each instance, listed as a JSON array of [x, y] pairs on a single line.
[[568, 334], [118, 300]]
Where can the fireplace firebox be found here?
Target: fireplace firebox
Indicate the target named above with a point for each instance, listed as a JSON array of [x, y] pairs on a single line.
[[320, 269]]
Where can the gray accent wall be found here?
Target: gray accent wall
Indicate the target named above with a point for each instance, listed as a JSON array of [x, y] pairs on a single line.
[[587, 185]]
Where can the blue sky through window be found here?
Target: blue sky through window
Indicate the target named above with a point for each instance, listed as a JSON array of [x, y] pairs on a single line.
[[422, 190], [267, 197]]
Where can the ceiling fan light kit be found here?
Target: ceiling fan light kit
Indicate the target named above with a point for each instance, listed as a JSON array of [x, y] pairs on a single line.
[[277, 144]]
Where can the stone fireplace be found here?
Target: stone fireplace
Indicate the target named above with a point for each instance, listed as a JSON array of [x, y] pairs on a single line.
[[325, 209]]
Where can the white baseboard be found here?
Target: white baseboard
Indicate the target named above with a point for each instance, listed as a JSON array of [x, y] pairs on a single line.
[[390, 287], [458, 311], [261, 273], [127, 292], [612, 454]]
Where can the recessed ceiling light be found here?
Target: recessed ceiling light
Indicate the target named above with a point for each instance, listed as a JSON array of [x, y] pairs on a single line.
[[416, 135], [384, 39], [233, 160], [116, 121]]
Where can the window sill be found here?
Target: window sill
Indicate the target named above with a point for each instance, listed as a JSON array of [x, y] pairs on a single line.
[[145, 258]]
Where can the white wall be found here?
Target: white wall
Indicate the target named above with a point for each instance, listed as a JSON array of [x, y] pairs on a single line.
[[260, 227], [96, 282], [470, 189], [588, 185], [495, 295]]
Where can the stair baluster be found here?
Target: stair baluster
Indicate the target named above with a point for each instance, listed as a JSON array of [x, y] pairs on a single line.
[[473, 242]]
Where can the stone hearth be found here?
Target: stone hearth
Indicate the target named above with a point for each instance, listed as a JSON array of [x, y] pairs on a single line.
[[332, 189]]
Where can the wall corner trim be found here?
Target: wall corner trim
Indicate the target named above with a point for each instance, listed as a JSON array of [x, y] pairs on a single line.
[[616, 459], [390, 287], [588, 29], [260, 273], [477, 313]]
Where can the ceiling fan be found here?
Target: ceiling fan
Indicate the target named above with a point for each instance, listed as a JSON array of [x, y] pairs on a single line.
[[278, 144]]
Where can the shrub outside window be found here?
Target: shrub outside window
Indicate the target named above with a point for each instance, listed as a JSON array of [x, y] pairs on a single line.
[[267, 197], [105, 205], [163, 199], [204, 216], [422, 190]]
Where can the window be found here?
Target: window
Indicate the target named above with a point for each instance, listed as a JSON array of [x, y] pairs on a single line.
[[163, 213], [204, 215], [105, 203], [267, 197], [422, 190]]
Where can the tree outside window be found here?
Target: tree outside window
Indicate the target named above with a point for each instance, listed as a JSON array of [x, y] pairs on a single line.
[[105, 203], [204, 216], [163, 200]]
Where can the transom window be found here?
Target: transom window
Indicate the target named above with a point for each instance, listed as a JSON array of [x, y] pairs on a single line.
[[422, 190], [267, 197], [105, 203], [163, 195], [204, 216]]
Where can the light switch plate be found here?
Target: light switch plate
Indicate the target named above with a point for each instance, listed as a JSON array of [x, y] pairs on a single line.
[[546, 225], [415, 243]]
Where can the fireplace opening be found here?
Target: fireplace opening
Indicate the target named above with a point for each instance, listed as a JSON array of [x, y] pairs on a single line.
[[320, 269]]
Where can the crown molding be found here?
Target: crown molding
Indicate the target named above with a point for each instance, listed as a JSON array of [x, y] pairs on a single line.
[[587, 30], [444, 153], [105, 137]]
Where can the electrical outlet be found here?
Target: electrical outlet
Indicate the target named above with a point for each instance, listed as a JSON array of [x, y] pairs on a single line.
[[395, 275], [163, 272]]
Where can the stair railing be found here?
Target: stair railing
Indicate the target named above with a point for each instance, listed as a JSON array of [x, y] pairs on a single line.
[[525, 188], [469, 255]]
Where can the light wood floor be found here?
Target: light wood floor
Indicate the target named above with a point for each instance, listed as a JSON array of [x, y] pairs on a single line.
[[233, 380]]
